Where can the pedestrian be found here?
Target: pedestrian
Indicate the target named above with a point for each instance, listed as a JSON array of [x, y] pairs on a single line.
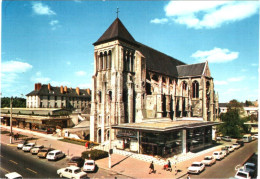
[[151, 168], [188, 176], [169, 165]]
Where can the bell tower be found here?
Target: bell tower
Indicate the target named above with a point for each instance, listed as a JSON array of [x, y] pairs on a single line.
[[113, 85]]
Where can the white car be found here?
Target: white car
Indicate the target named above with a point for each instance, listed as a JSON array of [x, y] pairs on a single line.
[[89, 165], [255, 136], [209, 160], [230, 148], [28, 147], [196, 167], [236, 146], [242, 175], [21, 144], [71, 172], [36, 149], [55, 155], [13, 175], [218, 155]]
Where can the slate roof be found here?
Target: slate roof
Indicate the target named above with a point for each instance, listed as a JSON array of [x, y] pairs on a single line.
[[159, 62], [55, 91], [155, 61], [222, 104], [116, 31], [191, 70]]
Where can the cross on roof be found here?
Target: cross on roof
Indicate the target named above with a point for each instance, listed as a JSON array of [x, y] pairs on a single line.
[[117, 11]]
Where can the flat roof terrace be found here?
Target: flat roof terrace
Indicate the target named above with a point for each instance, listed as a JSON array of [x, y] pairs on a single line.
[[165, 126]]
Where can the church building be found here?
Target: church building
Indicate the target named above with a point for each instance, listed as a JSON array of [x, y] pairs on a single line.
[[154, 103]]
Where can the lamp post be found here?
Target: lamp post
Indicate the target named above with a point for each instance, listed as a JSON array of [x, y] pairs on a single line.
[[11, 118]]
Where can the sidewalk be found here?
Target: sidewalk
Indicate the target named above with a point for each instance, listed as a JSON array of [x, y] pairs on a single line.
[[125, 165]]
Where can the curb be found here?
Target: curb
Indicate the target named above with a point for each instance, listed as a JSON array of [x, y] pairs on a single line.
[[107, 169]]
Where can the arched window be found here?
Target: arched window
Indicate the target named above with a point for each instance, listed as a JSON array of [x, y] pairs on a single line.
[[184, 85], [195, 89]]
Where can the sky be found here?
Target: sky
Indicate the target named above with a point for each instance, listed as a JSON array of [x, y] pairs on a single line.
[[52, 41]]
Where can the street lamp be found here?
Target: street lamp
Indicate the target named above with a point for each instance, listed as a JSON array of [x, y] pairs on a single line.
[[11, 118]]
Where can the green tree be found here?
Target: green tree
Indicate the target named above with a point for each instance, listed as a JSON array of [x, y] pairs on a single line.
[[233, 125], [249, 103], [17, 102]]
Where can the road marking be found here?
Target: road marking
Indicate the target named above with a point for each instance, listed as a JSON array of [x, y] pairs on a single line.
[[31, 170], [13, 162], [5, 170]]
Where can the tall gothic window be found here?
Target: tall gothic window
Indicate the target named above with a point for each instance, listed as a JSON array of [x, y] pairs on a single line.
[[184, 85], [195, 89]]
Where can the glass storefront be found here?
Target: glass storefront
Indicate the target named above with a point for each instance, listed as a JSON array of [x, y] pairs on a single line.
[[199, 138], [164, 144]]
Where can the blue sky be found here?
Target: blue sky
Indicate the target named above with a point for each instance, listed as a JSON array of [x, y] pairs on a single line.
[[51, 41]]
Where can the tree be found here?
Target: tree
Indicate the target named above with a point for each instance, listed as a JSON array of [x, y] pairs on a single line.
[[234, 104], [249, 103], [233, 125], [17, 102]]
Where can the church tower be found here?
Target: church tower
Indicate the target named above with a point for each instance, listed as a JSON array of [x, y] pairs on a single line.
[[113, 85]]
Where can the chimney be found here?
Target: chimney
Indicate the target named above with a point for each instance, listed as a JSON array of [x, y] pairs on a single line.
[[49, 86], [35, 86], [39, 85], [88, 91], [77, 90], [65, 89], [61, 89]]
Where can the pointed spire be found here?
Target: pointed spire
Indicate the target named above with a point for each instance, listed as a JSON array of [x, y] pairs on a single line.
[[116, 31]]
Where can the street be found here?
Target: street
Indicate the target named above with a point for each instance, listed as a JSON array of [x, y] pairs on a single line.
[[30, 166], [226, 167]]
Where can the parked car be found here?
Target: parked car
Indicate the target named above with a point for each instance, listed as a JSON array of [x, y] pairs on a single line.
[[240, 142], [230, 148], [55, 155], [236, 146], [21, 144], [208, 160], [71, 172], [250, 168], [76, 161], [218, 138], [28, 147], [13, 175], [225, 151], [36, 149], [218, 155], [43, 152], [89, 165], [226, 138], [196, 167], [255, 136], [242, 175], [247, 138]]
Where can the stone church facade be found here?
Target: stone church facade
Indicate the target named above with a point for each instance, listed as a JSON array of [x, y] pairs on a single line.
[[134, 84]]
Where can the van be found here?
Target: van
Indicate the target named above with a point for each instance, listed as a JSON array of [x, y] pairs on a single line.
[[247, 138], [55, 155]]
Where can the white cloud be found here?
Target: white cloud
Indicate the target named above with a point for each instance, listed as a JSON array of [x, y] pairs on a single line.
[[244, 70], [40, 80], [80, 73], [216, 55], [41, 9], [209, 14], [236, 79], [159, 21], [15, 67], [78, 1], [254, 64], [60, 83], [68, 62], [54, 22], [220, 82], [84, 86]]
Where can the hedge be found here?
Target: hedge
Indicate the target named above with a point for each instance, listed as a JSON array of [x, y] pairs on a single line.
[[94, 154], [81, 140]]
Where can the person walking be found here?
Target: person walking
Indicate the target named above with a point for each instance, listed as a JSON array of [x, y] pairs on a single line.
[[169, 165], [151, 168]]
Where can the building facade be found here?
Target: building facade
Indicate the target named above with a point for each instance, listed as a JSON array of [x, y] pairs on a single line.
[[135, 84], [47, 96]]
